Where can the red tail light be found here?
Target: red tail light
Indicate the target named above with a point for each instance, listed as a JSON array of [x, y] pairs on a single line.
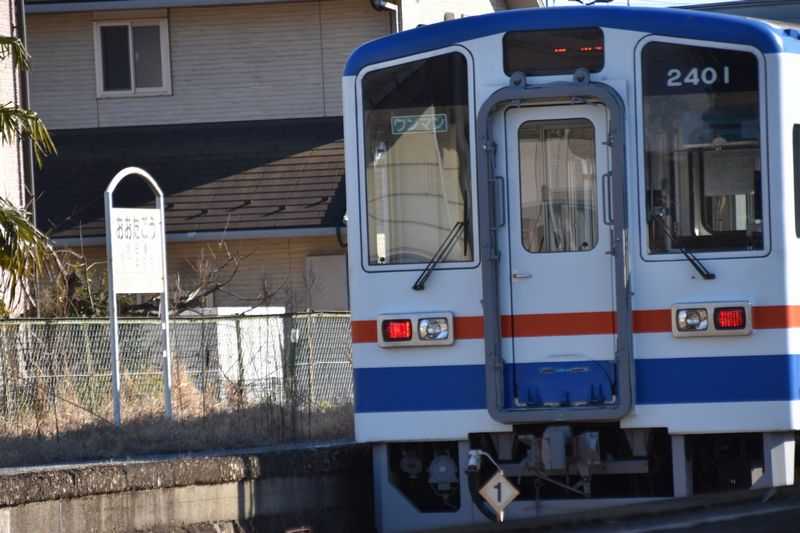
[[730, 318], [397, 330]]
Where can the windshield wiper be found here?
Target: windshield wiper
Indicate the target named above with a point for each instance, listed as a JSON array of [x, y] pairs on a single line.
[[440, 254], [658, 216]]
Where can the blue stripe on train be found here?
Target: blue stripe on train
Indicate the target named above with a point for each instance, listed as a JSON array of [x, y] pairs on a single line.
[[658, 381]]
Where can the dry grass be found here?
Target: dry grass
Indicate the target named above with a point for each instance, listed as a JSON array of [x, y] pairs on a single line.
[[70, 420]]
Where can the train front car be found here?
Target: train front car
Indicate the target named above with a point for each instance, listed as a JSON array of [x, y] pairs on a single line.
[[570, 238]]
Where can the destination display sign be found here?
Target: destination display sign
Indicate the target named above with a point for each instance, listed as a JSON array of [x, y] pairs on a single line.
[[547, 52]]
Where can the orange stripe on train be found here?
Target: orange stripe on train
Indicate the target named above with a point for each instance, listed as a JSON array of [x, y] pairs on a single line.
[[585, 323]]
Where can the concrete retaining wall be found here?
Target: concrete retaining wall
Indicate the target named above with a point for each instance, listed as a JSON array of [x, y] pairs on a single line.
[[328, 489]]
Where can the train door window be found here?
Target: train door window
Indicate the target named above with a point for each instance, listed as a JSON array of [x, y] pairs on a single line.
[[558, 185], [702, 148], [417, 161], [796, 141]]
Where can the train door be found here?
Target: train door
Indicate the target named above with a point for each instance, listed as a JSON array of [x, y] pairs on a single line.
[[562, 271]]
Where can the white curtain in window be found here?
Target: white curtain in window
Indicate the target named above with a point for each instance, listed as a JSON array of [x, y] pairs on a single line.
[[558, 182]]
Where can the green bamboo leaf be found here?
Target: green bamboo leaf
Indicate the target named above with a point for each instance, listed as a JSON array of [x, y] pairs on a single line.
[[13, 47], [18, 122], [25, 252]]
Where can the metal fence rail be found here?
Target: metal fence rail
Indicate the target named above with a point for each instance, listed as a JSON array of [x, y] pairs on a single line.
[[56, 374]]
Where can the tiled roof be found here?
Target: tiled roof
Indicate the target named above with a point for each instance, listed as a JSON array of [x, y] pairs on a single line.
[[222, 176]]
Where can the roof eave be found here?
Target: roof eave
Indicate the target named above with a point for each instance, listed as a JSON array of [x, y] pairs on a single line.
[[210, 236]]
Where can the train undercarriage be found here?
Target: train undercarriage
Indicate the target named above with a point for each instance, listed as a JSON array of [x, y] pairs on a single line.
[[559, 468]]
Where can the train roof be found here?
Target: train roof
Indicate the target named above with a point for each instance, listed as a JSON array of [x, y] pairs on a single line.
[[769, 38]]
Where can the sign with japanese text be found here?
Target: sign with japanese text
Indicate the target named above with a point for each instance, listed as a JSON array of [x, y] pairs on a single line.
[[419, 123], [137, 244]]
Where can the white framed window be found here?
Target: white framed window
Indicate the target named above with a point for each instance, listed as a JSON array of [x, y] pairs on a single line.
[[132, 58]]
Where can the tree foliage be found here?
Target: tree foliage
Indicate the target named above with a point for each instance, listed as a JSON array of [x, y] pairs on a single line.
[[16, 121], [79, 288], [24, 250]]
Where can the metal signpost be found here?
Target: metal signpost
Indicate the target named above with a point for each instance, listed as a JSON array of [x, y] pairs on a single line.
[[137, 263]]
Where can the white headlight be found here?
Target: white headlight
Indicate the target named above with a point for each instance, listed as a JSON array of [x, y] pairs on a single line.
[[692, 319], [434, 329]]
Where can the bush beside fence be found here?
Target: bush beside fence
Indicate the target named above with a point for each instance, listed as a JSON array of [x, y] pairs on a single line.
[[246, 380]]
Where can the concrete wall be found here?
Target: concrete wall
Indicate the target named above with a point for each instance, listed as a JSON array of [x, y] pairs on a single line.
[[11, 177], [247, 62], [277, 264], [327, 488]]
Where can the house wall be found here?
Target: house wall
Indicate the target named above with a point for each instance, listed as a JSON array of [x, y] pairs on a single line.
[[11, 177], [422, 12], [781, 10], [523, 4], [276, 264], [229, 63]]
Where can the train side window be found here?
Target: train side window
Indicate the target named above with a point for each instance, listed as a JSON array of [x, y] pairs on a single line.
[[558, 181], [702, 148], [417, 161], [796, 139]]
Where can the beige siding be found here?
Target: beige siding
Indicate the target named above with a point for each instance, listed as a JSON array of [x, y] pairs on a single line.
[[10, 160], [279, 265], [522, 4], [274, 265], [62, 77], [345, 26], [231, 63]]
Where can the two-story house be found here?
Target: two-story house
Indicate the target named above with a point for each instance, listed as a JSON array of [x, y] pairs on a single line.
[[234, 106]]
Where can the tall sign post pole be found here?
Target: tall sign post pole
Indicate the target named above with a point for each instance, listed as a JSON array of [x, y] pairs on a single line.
[[137, 264], [164, 311], [112, 313]]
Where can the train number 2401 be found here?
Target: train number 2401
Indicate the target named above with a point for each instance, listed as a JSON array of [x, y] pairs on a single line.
[[698, 76]]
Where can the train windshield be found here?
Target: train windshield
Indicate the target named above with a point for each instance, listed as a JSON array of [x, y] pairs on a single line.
[[702, 148], [417, 161]]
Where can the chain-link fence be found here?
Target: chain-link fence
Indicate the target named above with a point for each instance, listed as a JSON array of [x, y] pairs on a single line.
[[55, 375]]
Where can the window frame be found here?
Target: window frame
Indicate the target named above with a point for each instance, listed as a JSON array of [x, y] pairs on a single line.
[[641, 183], [166, 71], [796, 168], [362, 171]]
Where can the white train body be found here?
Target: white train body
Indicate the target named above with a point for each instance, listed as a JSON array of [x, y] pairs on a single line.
[[621, 191]]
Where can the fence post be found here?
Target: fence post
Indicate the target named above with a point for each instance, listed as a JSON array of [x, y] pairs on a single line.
[[239, 363], [311, 360], [167, 353], [3, 357]]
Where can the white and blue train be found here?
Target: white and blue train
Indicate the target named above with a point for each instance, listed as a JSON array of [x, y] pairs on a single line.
[[574, 247]]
